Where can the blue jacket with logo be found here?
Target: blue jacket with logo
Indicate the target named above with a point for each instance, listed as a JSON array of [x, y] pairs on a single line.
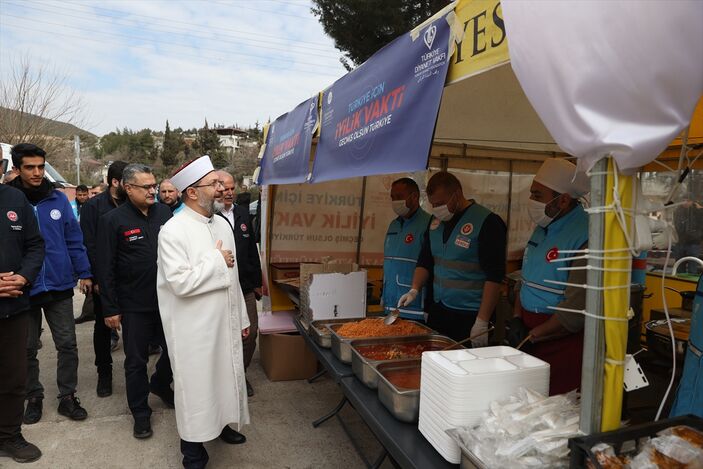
[[66, 259], [458, 276], [540, 265], [400, 253]]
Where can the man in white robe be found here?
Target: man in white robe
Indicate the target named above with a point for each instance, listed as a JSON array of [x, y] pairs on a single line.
[[204, 316]]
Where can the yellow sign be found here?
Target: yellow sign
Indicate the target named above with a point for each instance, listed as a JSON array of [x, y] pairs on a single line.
[[484, 44]]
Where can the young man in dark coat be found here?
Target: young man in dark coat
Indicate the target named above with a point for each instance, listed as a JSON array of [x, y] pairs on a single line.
[[21, 258]]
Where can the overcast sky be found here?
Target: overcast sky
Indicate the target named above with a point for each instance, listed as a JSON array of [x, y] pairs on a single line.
[[137, 63]]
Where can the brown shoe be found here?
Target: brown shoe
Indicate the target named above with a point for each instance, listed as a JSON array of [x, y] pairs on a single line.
[[20, 449]]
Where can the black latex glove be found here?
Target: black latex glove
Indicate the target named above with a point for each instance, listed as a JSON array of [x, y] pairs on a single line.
[[516, 331]]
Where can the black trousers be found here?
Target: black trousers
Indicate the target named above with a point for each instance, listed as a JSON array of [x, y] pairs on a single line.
[[194, 455], [138, 331], [451, 322], [101, 339], [13, 373]]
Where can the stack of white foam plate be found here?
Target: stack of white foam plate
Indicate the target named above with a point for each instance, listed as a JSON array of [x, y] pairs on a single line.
[[457, 387]]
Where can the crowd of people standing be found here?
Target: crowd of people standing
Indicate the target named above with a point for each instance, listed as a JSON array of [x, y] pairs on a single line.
[[183, 286]]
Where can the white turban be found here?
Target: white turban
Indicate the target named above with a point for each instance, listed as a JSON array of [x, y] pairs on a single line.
[[561, 176], [192, 172]]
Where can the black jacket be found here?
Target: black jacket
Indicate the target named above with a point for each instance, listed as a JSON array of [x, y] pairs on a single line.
[[91, 211], [21, 245], [126, 259], [248, 263]]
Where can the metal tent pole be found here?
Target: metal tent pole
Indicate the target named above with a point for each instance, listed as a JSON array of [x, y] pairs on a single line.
[[593, 338]]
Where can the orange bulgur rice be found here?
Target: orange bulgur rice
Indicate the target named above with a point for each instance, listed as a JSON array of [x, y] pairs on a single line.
[[376, 328]]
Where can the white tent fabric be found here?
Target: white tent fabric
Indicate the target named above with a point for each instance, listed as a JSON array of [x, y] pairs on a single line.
[[490, 110], [620, 77]]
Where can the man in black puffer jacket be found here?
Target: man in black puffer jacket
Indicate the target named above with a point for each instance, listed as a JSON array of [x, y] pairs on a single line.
[[21, 258]]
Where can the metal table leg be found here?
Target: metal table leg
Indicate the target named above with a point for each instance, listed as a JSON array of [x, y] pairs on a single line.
[[379, 460], [331, 414], [368, 464], [318, 375]]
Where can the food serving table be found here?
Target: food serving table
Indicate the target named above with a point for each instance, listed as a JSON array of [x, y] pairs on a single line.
[[402, 442]]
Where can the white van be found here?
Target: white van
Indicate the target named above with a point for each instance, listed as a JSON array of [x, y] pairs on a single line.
[[49, 171]]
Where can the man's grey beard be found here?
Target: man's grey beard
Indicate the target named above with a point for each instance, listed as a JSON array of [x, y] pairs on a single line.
[[218, 206], [207, 205]]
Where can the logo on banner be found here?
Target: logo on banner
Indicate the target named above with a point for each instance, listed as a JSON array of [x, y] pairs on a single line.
[[552, 254], [467, 229], [55, 214], [12, 216], [429, 36], [312, 117], [409, 238]]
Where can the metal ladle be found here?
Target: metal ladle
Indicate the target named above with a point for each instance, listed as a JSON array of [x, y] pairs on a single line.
[[391, 317]]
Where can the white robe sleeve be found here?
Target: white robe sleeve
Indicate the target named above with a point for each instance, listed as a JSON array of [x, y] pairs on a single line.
[[243, 315], [189, 278]]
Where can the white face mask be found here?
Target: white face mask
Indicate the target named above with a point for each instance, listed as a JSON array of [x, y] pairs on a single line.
[[400, 208], [537, 212], [442, 213]]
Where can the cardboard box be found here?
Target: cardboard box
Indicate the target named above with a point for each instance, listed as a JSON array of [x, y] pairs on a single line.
[[286, 356], [285, 271], [330, 290]]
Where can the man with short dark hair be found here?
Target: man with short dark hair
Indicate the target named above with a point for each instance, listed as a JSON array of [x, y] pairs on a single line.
[[464, 249], [52, 289], [127, 276], [23, 255], [91, 212], [81, 198], [402, 248], [87, 313], [248, 262]]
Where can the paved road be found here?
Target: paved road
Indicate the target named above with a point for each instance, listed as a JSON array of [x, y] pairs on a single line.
[[280, 435]]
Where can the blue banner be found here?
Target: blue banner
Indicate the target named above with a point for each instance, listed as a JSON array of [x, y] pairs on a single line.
[[380, 118], [286, 158]]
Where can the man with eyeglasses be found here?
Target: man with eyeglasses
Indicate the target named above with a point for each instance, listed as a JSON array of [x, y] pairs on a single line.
[[128, 237], [204, 315]]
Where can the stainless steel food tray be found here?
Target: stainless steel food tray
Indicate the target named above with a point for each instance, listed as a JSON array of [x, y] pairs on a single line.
[[321, 334], [341, 347], [364, 368], [403, 403]]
